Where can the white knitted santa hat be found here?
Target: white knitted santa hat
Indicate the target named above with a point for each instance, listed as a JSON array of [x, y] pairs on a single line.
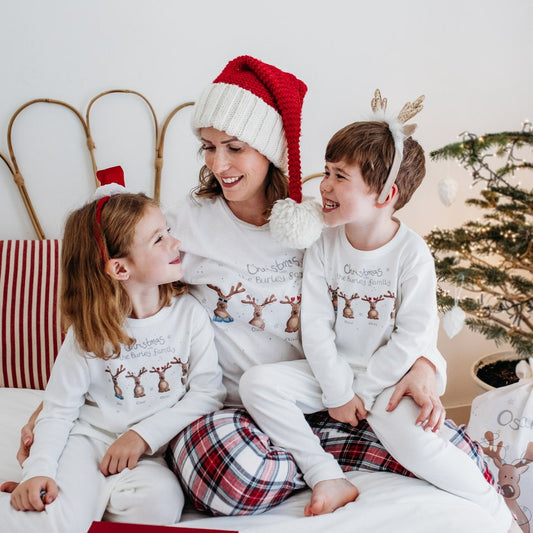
[[261, 105]]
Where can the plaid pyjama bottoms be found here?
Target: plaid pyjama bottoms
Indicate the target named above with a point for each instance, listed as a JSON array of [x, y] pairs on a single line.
[[228, 466]]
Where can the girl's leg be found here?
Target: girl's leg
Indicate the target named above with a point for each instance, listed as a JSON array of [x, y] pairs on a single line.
[[148, 494], [228, 466], [81, 499], [433, 457]]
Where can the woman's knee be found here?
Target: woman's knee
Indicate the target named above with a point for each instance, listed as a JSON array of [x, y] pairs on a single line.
[[227, 466]]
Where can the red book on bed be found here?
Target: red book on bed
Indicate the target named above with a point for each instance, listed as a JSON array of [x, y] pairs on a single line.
[[120, 527]]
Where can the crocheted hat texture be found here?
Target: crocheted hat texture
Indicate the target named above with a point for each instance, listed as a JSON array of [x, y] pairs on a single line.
[[261, 105]]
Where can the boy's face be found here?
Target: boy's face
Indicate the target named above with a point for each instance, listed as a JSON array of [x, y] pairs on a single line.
[[346, 197]]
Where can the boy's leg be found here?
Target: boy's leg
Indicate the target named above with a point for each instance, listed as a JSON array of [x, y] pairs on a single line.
[[147, 494], [228, 466], [358, 448], [354, 448], [277, 396], [80, 501], [433, 457]]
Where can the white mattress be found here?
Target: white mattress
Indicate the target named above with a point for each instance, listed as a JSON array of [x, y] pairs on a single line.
[[387, 503]]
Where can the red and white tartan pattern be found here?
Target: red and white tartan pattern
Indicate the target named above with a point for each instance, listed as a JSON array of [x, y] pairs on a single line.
[[29, 314], [228, 466]]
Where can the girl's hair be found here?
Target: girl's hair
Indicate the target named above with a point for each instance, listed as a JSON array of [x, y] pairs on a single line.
[[370, 145], [276, 188], [92, 302]]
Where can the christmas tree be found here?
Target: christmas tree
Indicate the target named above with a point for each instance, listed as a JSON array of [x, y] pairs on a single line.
[[485, 266]]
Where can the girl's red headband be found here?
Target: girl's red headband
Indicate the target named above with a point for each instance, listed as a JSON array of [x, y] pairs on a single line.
[[111, 183]]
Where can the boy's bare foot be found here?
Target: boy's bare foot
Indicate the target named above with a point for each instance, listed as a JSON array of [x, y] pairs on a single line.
[[329, 495]]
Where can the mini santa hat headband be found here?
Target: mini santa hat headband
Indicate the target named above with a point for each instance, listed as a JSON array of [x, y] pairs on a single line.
[[111, 183], [261, 105], [399, 133]]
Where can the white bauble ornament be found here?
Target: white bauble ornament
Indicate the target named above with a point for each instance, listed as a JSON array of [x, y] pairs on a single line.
[[447, 191], [453, 321]]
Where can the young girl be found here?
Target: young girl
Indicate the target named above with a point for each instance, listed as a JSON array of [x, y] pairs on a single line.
[[138, 364]]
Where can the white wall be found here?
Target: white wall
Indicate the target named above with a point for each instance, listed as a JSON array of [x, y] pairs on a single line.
[[472, 60]]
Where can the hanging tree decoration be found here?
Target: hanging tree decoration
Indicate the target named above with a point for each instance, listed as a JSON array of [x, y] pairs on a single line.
[[492, 256], [454, 319], [447, 189]]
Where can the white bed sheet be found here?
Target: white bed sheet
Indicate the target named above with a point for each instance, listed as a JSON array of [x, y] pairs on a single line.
[[387, 503]]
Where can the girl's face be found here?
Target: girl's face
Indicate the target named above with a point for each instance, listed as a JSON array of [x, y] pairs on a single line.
[[154, 257], [240, 169], [346, 198]]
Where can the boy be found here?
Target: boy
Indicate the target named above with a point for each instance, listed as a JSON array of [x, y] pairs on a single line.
[[368, 312]]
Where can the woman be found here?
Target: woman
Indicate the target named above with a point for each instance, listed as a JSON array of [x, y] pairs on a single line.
[[248, 121]]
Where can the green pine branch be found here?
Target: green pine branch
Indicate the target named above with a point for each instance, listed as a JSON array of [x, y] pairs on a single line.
[[491, 259]]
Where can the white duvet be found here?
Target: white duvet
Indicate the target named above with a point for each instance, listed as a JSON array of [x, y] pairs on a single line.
[[387, 503]]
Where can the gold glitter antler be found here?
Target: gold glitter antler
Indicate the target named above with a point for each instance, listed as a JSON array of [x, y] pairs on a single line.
[[378, 103], [410, 109]]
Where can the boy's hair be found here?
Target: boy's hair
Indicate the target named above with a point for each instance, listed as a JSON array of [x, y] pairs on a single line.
[[370, 145], [276, 188], [92, 302]]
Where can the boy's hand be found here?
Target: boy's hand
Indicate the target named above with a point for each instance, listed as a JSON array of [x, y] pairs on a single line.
[[349, 413], [27, 496], [123, 453], [419, 383]]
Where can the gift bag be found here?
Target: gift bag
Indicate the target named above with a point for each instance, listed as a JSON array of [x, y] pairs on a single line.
[[501, 420]]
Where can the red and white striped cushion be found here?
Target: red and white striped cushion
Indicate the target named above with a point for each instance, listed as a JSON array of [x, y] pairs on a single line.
[[29, 314]]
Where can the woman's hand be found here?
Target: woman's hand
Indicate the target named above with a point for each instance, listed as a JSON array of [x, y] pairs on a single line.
[[419, 383], [123, 453], [34, 494], [349, 413], [26, 436]]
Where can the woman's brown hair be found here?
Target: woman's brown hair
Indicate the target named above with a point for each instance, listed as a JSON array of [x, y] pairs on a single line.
[[93, 303]]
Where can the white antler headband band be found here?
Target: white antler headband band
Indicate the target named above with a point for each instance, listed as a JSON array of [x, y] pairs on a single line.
[[399, 133]]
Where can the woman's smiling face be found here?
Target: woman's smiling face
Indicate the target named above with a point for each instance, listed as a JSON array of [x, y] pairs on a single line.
[[240, 169]]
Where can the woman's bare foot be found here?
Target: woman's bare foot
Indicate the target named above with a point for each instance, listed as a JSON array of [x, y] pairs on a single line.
[[329, 495]]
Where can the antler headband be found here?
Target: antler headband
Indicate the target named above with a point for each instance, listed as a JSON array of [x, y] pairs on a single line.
[[399, 133]]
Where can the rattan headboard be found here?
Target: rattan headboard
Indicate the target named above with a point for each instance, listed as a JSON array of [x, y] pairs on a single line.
[[160, 132], [11, 160]]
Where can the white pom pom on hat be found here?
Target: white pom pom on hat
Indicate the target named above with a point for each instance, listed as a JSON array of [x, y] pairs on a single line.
[[261, 105]]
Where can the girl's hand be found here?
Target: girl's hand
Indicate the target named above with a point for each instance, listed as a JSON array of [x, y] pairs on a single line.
[[419, 383], [123, 453], [349, 413], [27, 496]]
